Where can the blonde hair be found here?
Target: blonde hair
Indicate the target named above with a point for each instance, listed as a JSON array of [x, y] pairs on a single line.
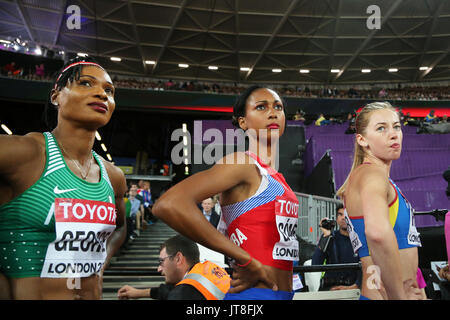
[[361, 123]]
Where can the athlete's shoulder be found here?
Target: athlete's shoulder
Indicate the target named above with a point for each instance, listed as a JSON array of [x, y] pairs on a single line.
[[27, 140], [234, 158], [237, 164], [371, 180], [368, 173], [113, 171], [22, 148], [115, 174]]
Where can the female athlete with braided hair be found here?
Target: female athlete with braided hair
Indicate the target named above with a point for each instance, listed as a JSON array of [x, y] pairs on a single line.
[[61, 204], [258, 207]]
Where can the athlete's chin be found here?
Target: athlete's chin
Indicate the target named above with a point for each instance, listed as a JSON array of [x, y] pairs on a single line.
[[396, 154], [391, 157], [392, 154], [96, 121]]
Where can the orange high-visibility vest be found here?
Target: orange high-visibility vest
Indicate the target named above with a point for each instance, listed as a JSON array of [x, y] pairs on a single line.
[[212, 281]]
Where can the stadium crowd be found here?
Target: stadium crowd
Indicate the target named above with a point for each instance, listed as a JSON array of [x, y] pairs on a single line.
[[401, 92]]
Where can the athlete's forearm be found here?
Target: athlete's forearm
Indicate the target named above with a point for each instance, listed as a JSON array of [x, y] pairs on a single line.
[[385, 255], [114, 243], [185, 217]]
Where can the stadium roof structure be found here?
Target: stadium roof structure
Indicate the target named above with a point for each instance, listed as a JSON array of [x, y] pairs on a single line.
[[275, 41]]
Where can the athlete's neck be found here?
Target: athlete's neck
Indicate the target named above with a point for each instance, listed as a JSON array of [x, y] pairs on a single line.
[[385, 164], [266, 152], [76, 142]]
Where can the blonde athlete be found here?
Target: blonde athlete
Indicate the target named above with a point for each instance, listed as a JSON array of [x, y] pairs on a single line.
[[379, 218]]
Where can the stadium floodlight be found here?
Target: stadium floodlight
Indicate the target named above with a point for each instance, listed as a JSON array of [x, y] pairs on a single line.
[[6, 129]]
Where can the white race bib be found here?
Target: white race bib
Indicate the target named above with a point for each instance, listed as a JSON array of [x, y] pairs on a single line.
[[286, 217], [82, 229], [356, 243], [413, 234]]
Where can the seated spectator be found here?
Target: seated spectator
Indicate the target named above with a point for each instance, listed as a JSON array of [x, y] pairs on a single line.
[[382, 93], [410, 121], [146, 194], [444, 119], [134, 218], [351, 127], [169, 84], [321, 121], [299, 115], [431, 117], [335, 247], [186, 278], [11, 69], [352, 93], [40, 70], [407, 119], [209, 212], [401, 115]]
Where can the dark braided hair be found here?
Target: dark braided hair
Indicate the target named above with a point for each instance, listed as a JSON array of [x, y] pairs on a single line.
[[62, 79], [239, 108], [241, 102]]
